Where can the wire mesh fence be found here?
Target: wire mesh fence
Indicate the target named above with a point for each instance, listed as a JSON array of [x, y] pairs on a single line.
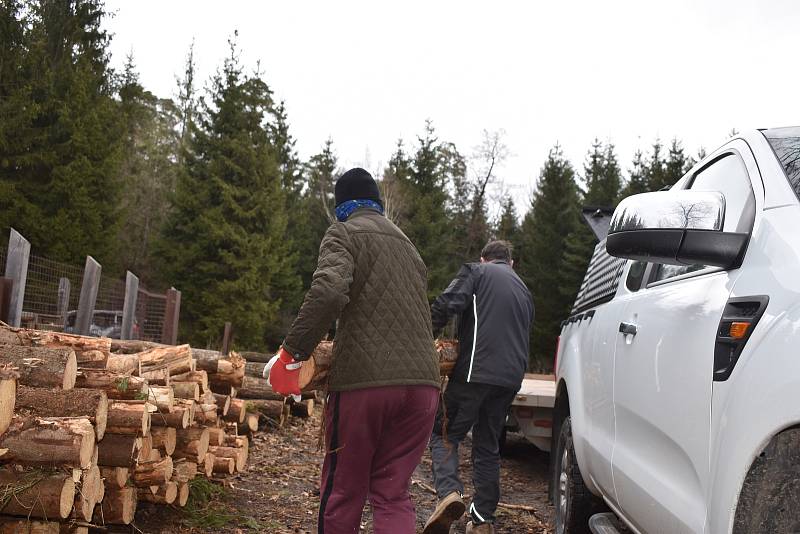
[[51, 294], [151, 311]]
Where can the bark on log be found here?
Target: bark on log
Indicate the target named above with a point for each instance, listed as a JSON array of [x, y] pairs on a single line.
[[257, 357], [49, 440], [192, 443], [153, 473], [223, 404], [115, 476], [270, 408], [180, 417], [146, 449], [118, 506], [164, 438], [90, 493], [254, 369], [183, 494], [205, 414], [207, 465], [225, 466], [176, 359], [41, 366], [37, 494], [236, 411], [186, 390], [123, 363], [43, 402], [200, 377], [10, 525], [8, 393], [163, 397], [303, 408], [132, 346], [129, 417], [184, 471], [216, 436], [117, 386], [238, 454], [118, 450], [56, 340], [166, 494]]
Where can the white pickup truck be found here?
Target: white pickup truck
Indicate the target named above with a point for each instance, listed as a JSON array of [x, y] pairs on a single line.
[[677, 403]]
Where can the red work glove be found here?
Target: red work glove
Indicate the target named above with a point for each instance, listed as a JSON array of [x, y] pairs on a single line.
[[284, 374]]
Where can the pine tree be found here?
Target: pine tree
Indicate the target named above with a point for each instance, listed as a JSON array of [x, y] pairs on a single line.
[[507, 227], [677, 163], [637, 177], [60, 143], [224, 244], [552, 217], [656, 169]]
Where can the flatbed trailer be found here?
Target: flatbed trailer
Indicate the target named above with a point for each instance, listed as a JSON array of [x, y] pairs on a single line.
[[531, 412]]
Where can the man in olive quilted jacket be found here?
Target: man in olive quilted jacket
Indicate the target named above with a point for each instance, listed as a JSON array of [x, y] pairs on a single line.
[[384, 376]]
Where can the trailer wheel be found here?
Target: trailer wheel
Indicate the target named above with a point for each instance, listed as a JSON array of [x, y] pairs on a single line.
[[770, 497], [574, 503]]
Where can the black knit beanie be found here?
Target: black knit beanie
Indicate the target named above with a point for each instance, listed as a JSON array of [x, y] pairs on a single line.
[[356, 184]]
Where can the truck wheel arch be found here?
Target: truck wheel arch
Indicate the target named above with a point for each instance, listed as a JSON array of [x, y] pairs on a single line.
[[560, 412]]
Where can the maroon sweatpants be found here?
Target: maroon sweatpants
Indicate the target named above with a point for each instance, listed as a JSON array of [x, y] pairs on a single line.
[[374, 440]]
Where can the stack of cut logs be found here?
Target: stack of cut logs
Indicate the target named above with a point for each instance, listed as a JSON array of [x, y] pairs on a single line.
[[91, 426]]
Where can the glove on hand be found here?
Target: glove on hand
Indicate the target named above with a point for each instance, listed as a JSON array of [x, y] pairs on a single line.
[[283, 373]]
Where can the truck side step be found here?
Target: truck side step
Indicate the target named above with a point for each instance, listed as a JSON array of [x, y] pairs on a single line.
[[605, 523]]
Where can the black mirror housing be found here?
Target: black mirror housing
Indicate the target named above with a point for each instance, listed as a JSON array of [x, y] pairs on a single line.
[[680, 247]]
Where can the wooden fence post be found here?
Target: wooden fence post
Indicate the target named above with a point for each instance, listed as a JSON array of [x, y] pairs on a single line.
[[169, 331], [19, 251], [89, 288], [129, 306], [62, 305], [6, 287]]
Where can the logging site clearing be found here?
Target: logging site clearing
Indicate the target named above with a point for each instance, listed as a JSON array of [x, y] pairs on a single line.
[[279, 491]]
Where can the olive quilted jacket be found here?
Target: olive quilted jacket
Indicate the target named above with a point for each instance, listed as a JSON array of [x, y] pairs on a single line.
[[371, 278]]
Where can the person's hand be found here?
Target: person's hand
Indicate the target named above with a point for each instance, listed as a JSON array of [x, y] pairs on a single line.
[[283, 374]]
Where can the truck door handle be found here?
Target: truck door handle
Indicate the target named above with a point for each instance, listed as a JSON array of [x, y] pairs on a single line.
[[627, 328]]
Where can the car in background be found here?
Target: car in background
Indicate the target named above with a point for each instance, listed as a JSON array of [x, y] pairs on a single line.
[[105, 323], [677, 400]]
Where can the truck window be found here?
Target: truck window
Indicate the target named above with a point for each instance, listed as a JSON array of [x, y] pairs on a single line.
[[729, 176], [601, 279]]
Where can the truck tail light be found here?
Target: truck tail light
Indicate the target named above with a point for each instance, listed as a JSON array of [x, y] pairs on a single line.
[[736, 326]]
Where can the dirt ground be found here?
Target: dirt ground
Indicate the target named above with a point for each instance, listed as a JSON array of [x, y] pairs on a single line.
[[279, 491]]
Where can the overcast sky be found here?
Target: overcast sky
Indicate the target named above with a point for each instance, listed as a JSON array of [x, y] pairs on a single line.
[[368, 73]]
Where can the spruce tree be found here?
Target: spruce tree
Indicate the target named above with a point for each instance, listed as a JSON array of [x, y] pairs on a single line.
[[637, 177], [542, 253], [677, 163], [59, 145], [224, 244], [656, 169], [507, 227]]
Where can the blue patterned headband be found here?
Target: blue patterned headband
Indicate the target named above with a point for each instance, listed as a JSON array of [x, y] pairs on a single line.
[[345, 209]]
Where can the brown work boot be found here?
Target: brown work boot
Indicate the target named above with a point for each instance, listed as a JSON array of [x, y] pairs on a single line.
[[447, 510], [483, 528]]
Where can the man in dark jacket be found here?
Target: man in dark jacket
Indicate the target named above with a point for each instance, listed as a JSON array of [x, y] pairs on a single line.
[[384, 376], [496, 310]]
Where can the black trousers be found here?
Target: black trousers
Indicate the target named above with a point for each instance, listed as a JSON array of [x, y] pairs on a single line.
[[481, 408]]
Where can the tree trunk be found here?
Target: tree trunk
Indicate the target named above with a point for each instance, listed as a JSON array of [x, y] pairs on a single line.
[[236, 411], [184, 471], [153, 473], [192, 443], [129, 417], [224, 466], [183, 494], [257, 357], [8, 393], [180, 417], [42, 367], [123, 363], [186, 390], [200, 377], [216, 436], [55, 340], [207, 465], [164, 438], [166, 494], [49, 440], [256, 388], [270, 408], [42, 402], [223, 404], [254, 369], [118, 506], [176, 359], [205, 414], [37, 494], [117, 386], [131, 346], [238, 454], [118, 450], [163, 397], [116, 476]]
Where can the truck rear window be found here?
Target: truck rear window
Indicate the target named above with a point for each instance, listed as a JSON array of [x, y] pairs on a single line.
[[601, 279], [786, 144]]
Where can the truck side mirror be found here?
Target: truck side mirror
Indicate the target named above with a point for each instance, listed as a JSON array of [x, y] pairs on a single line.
[[677, 228]]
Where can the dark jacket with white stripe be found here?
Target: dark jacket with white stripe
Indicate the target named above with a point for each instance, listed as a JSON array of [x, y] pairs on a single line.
[[496, 310]]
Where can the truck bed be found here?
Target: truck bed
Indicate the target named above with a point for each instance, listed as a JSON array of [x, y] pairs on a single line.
[[537, 391]]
